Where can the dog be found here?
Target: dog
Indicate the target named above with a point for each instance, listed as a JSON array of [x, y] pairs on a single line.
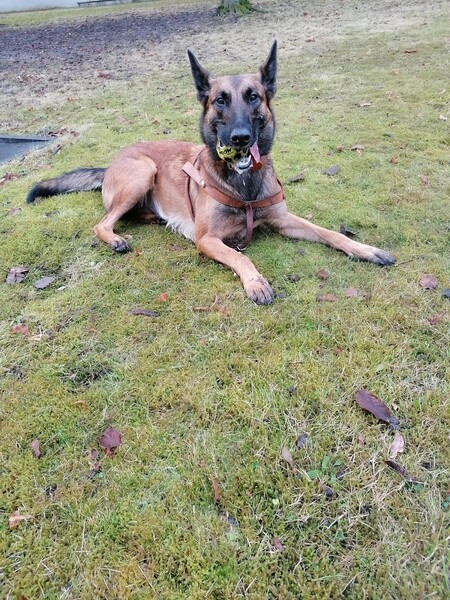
[[214, 193]]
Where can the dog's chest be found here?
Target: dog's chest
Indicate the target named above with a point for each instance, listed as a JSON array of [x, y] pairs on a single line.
[[234, 224]]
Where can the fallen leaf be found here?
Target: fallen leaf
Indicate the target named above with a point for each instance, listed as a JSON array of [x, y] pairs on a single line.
[[166, 131], [323, 275], [351, 292], [143, 311], [376, 407], [277, 545], [435, 319], [346, 231], [328, 491], [35, 447], [201, 308], [393, 160], [364, 104], [423, 179], [358, 147], [301, 440], [410, 51], [428, 282], [21, 328], [287, 456], [44, 282], [397, 446], [104, 74], [8, 177], [163, 297], [340, 148], [442, 117], [332, 170], [110, 440], [297, 178], [14, 211], [216, 491], [360, 439], [294, 278], [401, 471], [16, 518], [326, 298], [229, 519], [16, 274]]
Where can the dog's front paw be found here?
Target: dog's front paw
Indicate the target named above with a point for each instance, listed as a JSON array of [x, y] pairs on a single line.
[[259, 291], [373, 255], [118, 244]]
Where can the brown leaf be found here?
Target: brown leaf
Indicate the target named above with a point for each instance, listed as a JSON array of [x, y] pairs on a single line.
[[16, 274], [360, 439], [21, 328], [104, 74], [16, 518], [301, 440], [401, 471], [277, 544], [340, 148], [226, 518], [14, 211], [35, 447], [94, 463], [351, 292], [435, 319], [163, 297], [428, 282], [216, 491], [327, 490], [143, 311], [393, 160], [310, 39], [410, 51], [110, 440], [287, 456], [297, 178], [398, 445], [201, 308], [357, 147], [326, 298], [7, 177], [376, 407], [365, 104], [44, 282], [424, 179], [332, 170], [322, 274]]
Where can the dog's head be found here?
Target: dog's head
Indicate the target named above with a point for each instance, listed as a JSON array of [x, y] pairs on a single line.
[[237, 121]]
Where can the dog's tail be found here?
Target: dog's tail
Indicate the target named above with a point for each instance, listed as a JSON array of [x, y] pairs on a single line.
[[81, 180]]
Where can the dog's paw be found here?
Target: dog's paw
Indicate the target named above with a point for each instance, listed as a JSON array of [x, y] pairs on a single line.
[[118, 244], [259, 291], [373, 255]]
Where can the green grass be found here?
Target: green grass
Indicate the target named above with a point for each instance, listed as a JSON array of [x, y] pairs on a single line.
[[201, 396]]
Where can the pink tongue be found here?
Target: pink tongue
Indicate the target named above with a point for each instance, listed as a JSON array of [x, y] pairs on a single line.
[[254, 151]]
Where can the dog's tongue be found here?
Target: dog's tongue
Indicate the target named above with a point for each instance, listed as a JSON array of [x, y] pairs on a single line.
[[254, 151]]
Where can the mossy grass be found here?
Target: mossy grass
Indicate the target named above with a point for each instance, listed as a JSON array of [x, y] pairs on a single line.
[[214, 395]]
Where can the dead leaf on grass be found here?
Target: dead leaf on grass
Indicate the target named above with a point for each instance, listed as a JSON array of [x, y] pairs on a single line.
[[401, 471], [327, 490], [276, 543], [351, 292], [445, 294], [397, 446], [410, 50], [360, 439], [424, 179], [393, 160], [435, 319], [8, 177], [428, 282], [287, 456], [163, 297], [359, 148], [143, 311], [16, 274], [301, 440], [326, 298], [110, 440], [21, 329], [94, 463], [365, 104], [44, 282], [376, 407], [104, 74], [323, 275], [297, 178], [16, 518], [340, 148], [216, 491], [14, 211], [36, 449], [332, 170]]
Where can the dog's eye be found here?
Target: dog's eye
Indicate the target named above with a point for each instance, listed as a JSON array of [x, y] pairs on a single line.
[[254, 97], [220, 101]]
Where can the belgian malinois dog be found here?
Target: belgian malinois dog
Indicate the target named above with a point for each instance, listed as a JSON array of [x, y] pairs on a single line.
[[215, 193]]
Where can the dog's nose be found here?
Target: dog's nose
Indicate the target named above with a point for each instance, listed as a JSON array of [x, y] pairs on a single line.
[[240, 136]]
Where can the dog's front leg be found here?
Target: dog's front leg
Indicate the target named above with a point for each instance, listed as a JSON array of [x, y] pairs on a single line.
[[295, 227], [255, 286]]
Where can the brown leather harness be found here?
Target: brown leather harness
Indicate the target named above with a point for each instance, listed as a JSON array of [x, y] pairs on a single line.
[[192, 171]]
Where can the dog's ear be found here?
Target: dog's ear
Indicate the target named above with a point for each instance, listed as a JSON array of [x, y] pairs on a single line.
[[201, 78], [268, 72]]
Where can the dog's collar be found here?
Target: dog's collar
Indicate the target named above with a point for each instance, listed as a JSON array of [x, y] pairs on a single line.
[[194, 172]]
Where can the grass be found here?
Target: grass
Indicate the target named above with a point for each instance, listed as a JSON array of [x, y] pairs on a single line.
[[215, 395]]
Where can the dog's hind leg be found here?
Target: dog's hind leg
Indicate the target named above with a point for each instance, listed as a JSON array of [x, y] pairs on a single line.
[[126, 183]]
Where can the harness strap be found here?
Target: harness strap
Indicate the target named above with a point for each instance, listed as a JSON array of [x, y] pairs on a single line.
[[193, 172]]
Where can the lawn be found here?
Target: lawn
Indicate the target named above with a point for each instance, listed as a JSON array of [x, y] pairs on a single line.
[[246, 466]]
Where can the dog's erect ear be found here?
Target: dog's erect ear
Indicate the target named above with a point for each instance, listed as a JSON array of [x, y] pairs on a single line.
[[268, 72], [201, 77]]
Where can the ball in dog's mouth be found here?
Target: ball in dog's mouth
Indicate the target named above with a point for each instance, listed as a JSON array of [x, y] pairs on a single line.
[[239, 159]]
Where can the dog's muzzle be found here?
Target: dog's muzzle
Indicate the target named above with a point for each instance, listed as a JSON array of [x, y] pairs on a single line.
[[239, 159]]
